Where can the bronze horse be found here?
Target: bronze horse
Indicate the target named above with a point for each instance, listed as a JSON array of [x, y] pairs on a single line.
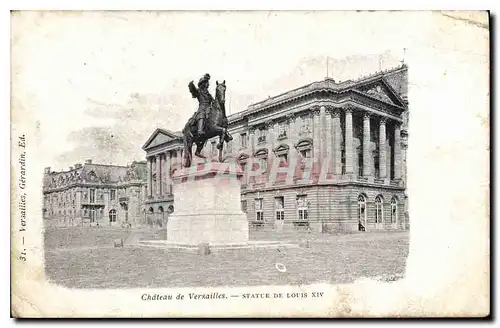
[[215, 125]]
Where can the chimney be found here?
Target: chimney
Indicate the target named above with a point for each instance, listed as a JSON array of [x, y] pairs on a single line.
[[88, 161], [71, 168], [47, 170], [78, 165]]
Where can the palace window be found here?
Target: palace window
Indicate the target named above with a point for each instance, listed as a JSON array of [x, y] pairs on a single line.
[[262, 164], [92, 195], [261, 136], [283, 158], [243, 140], [282, 130], [362, 211], [112, 194], [259, 209], [112, 216], [305, 153], [279, 204], [302, 207], [244, 206], [379, 210], [394, 210]]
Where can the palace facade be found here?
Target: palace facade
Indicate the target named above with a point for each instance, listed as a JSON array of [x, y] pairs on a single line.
[[328, 156], [95, 195]]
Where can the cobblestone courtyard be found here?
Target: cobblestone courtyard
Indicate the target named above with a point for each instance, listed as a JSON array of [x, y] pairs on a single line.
[[85, 258]]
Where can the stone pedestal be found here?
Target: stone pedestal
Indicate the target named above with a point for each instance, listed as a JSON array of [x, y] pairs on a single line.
[[207, 206]]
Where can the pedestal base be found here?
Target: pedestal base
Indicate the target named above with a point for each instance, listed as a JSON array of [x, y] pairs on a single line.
[[195, 229]]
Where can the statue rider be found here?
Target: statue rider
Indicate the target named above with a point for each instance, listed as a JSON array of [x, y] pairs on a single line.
[[205, 100]]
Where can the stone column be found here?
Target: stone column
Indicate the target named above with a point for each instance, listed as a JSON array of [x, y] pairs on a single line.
[[366, 145], [382, 149], [397, 151], [251, 139], [270, 137], [179, 158], [168, 167], [316, 134], [328, 139], [349, 146], [322, 131], [150, 175], [158, 175], [162, 174], [337, 151]]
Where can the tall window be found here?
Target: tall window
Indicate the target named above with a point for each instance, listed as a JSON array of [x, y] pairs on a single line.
[[261, 136], [279, 204], [259, 209], [394, 210], [282, 133], [112, 194], [112, 216], [283, 158], [379, 210], [243, 140], [92, 195], [362, 211], [229, 147], [305, 155], [262, 164], [244, 206], [302, 209]]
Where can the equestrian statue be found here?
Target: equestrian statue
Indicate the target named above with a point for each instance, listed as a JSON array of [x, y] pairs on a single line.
[[208, 121]]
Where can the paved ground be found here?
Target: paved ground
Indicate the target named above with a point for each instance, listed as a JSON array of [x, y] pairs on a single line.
[[84, 258]]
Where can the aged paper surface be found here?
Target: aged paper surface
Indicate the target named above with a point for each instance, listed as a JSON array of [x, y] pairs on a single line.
[[98, 85]]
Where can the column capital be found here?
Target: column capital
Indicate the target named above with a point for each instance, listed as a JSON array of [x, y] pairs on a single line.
[[290, 117], [330, 110], [383, 120], [348, 108], [315, 110], [269, 124], [366, 115], [251, 129]]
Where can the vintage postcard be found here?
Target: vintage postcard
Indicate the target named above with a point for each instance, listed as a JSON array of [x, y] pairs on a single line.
[[250, 164]]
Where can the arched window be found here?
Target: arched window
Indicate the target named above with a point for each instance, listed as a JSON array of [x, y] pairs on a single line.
[[379, 210], [394, 210], [362, 212], [151, 211], [112, 216]]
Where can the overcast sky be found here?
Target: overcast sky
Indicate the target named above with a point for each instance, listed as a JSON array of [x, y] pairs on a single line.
[[102, 83]]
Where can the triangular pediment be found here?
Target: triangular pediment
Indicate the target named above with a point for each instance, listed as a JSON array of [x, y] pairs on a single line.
[[160, 136], [381, 90]]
